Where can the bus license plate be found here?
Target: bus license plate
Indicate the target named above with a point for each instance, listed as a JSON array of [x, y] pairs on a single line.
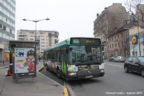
[[90, 76]]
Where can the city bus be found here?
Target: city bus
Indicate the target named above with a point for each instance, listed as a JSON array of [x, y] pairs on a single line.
[[75, 58]]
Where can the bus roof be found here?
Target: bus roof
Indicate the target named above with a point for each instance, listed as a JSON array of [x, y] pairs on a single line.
[[67, 42]]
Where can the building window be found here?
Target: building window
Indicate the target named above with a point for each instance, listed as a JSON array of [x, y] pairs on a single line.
[[143, 39], [1, 26], [56, 41], [10, 30], [43, 46], [0, 34], [4, 27], [42, 33], [118, 44]]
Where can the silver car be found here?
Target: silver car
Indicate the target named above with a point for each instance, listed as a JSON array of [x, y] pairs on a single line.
[[119, 59]]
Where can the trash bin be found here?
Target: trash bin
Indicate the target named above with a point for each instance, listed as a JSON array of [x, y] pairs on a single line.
[[11, 68]]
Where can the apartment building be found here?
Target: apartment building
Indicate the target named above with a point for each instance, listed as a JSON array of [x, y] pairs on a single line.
[[140, 14], [7, 27], [46, 38], [136, 46], [107, 24]]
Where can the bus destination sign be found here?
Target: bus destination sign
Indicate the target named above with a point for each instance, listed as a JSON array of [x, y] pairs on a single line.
[[85, 41]]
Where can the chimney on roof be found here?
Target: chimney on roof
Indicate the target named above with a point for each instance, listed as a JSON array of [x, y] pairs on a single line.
[[97, 15]]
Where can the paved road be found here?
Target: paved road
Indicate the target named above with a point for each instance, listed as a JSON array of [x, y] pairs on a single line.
[[114, 83]]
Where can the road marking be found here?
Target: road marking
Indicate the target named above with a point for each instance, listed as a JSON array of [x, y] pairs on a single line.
[[69, 89], [66, 92]]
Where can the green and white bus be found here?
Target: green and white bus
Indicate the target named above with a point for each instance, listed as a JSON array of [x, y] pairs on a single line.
[[75, 58]]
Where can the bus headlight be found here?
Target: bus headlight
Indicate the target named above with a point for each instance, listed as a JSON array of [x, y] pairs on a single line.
[[72, 74], [102, 70]]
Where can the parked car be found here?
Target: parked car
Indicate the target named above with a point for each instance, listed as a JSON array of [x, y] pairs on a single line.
[[134, 64], [119, 59], [112, 58], [104, 57]]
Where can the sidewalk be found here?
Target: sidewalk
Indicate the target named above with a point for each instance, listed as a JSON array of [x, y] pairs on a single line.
[[2, 79], [4, 65], [39, 86]]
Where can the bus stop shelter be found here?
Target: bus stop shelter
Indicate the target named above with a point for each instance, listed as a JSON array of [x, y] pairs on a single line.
[[23, 58]]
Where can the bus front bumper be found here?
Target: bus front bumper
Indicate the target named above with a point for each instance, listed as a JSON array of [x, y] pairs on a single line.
[[85, 74]]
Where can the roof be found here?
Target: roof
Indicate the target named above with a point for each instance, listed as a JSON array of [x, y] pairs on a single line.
[[65, 42], [18, 41], [23, 44]]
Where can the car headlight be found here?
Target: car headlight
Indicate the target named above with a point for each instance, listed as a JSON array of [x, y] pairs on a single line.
[[72, 73]]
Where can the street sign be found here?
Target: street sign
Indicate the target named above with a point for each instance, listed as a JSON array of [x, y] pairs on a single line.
[[135, 39]]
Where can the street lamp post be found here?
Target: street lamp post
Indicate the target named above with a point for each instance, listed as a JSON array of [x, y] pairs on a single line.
[[35, 21]]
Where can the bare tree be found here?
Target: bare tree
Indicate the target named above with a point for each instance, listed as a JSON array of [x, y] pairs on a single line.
[[131, 5]]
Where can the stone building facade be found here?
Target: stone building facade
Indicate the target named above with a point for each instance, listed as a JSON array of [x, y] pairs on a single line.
[[108, 24], [118, 43], [136, 49], [46, 38], [140, 14]]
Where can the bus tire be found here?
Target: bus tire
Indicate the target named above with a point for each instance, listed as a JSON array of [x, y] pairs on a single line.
[[58, 73], [47, 68]]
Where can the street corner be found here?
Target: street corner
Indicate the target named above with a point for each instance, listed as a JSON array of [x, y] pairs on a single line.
[[38, 86]]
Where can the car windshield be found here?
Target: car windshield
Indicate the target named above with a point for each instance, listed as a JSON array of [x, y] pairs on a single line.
[[86, 54], [141, 59]]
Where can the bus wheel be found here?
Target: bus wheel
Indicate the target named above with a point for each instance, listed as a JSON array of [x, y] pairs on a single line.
[[58, 73], [47, 68]]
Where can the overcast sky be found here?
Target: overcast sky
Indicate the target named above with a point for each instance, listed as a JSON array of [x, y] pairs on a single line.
[[71, 18]]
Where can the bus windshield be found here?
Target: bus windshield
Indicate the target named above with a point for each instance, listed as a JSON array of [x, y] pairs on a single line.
[[85, 55]]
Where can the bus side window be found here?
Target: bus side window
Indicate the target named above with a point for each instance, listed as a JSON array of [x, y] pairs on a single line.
[[57, 55], [53, 55], [62, 56]]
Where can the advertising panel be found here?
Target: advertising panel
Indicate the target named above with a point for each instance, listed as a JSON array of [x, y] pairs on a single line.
[[24, 60]]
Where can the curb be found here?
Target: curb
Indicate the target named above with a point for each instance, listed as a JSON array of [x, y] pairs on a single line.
[[67, 89], [51, 79], [66, 92]]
